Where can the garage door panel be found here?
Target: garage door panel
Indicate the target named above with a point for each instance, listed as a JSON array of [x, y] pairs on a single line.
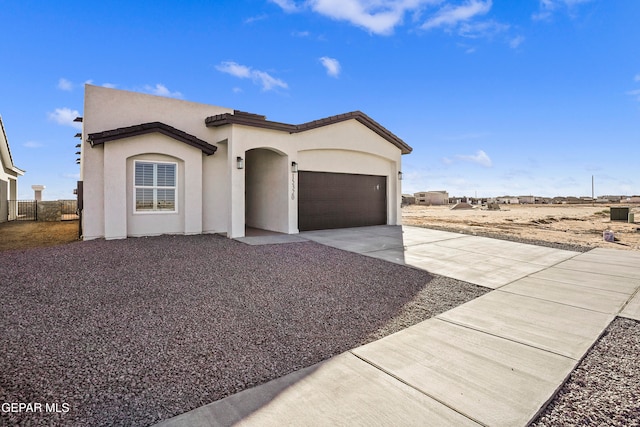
[[337, 200]]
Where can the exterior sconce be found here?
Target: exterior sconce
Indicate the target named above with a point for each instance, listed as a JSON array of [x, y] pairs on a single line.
[[294, 167], [399, 176], [239, 162]]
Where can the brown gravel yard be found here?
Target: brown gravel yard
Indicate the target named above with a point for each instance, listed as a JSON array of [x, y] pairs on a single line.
[[131, 332]]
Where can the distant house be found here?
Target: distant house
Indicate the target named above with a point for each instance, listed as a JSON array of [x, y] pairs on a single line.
[[633, 199], [408, 199], [526, 199], [153, 165], [435, 198], [8, 179], [508, 200]]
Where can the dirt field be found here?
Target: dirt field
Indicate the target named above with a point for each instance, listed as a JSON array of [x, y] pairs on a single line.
[[574, 224], [35, 234]]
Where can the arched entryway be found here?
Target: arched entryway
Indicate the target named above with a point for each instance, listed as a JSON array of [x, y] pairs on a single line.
[[266, 185]]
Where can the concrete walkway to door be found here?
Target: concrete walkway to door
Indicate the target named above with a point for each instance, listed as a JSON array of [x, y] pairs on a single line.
[[494, 361]]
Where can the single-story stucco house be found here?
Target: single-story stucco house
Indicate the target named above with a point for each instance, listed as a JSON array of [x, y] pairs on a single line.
[[8, 179], [153, 165]]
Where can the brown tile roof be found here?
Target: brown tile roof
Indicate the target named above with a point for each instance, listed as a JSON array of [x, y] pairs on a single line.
[[127, 132], [256, 120]]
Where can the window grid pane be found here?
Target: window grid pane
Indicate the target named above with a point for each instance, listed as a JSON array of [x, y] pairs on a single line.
[[155, 186], [166, 175], [144, 199], [144, 174]]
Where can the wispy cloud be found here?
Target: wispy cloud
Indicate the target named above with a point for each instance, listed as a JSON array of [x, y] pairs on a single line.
[[64, 84], [253, 19], [450, 16], [382, 17], [32, 144], [515, 42], [635, 93], [261, 78], [549, 7], [480, 157], [331, 65], [65, 116], [637, 78], [376, 16], [161, 90], [287, 5]]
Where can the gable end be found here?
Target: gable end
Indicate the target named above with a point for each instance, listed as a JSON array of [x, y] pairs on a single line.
[[99, 138]]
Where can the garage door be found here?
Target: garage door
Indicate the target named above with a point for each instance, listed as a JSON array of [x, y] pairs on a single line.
[[340, 200]]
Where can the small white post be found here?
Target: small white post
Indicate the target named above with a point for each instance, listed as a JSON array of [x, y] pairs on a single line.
[[37, 189]]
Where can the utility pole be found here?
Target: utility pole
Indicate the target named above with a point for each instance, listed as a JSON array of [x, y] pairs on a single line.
[[593, 202]]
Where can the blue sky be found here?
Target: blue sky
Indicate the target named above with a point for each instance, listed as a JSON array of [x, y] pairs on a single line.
[[495, 97]]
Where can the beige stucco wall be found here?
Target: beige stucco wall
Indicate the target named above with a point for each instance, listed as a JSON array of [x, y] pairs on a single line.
[[213, 195], [266, 205], [108, 210]]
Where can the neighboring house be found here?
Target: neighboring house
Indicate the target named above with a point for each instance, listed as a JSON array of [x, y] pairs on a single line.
[[8, 179], [152, 165], [432, 198], [508, 200], [525, 200], [408, 199]]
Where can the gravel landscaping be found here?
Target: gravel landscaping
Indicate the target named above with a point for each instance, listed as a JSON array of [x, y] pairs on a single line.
[[604, 390], [131, 332]]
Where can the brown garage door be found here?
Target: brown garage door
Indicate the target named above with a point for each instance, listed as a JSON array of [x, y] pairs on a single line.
[[340, 200]]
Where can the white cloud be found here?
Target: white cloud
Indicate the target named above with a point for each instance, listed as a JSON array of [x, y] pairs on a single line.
[[377, 16], [234, 69], [32, 144], [483, 29], [287, 5], [64, 84], [332, 65], [109, 85], [262, 78], [267, 81], [549, 7], [451, 16], [161, 90], [515, 42], [637, 78], [253, 19], [301, 34], [635, 93], [65, 116], [481, 158]]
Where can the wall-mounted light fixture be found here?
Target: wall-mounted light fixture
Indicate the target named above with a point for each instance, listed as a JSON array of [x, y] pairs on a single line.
[[399, 176], [294, 167], [239, 162]]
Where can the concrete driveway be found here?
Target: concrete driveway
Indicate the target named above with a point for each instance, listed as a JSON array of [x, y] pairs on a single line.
[[480, 260], [494, 361]]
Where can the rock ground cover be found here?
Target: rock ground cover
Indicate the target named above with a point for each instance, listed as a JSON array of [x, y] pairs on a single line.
[[135, 331]]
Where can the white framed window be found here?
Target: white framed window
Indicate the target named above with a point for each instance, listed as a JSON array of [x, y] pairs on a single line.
[[155, 186]]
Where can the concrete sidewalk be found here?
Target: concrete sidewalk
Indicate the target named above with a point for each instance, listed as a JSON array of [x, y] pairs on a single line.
[[495, 361]]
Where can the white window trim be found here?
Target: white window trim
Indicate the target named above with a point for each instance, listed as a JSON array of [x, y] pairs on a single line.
[[153, 212]]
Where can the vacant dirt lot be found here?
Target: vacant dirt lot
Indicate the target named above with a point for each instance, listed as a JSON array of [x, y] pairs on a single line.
[[573, 224], [34, 234]]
